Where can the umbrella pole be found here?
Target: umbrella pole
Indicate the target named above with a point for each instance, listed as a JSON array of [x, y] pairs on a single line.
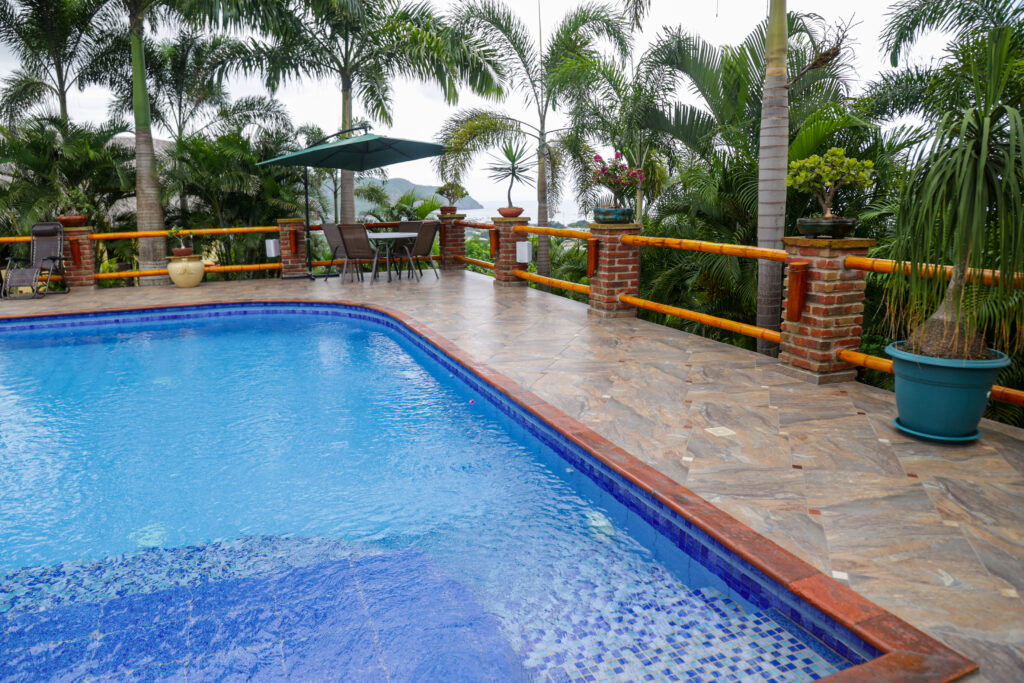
[[309, 252]]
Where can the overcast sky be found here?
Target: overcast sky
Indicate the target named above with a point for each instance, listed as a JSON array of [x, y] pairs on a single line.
[[419, 110]]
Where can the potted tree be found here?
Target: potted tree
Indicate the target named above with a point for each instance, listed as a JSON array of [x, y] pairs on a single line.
[[514, 165], [74, 207], [184, 268], [452, 192], [962, 205], [822, 176], [623, 183]]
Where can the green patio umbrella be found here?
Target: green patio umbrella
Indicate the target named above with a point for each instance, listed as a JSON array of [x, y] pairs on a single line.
[[359, 153]]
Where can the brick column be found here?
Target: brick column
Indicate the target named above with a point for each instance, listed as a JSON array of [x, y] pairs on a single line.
[[833, 313], [452, 240], [505, 261], [618, 270], [79, 272], [293, 249]]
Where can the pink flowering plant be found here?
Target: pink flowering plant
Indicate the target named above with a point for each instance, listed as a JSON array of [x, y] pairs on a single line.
[[617, 176]]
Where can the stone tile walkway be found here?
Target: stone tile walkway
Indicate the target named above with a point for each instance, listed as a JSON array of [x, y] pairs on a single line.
[[933, 533]]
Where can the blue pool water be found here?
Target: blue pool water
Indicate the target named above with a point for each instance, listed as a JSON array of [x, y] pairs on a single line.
[[278, 492]]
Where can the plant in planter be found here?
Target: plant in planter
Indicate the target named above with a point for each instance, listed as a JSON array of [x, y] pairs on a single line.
[[822, 176], [514, 165], [181, 234], [622, 181], [452, 192], [963, 205], [75, 207]]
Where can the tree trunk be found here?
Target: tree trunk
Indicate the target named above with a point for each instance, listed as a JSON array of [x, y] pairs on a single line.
[[945, 334], [348, 178], [771, 176], [149, 213], [543, 242]]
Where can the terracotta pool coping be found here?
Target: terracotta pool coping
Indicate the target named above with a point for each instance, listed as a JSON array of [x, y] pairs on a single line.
[[908, 653]]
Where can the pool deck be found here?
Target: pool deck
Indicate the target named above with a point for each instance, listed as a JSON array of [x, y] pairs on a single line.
[[932, 533]]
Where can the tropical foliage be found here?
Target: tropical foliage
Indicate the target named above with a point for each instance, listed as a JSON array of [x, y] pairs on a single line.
[[823, 175]]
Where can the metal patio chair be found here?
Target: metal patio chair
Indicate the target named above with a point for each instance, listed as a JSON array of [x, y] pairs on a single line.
[[46, 254], [335, 244], [357, 248], [419, 249]]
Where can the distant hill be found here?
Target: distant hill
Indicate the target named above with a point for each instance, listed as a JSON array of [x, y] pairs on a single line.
[[396, 187]]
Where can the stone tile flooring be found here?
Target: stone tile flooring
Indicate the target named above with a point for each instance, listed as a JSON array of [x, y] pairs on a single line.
[[933, 533]]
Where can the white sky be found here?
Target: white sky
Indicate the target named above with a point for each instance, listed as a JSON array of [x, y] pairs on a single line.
[[419, 109]]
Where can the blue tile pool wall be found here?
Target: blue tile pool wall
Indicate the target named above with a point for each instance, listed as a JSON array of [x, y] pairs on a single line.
[[742, 581]]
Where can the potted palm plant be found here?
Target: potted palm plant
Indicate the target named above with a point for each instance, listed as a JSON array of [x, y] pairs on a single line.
[[75, 207], [822, 176], [452, 192], [514, 165], [623, 183], [963, 205]]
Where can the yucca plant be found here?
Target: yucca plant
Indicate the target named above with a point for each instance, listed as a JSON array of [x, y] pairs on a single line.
[[514, 165], [963, 205]]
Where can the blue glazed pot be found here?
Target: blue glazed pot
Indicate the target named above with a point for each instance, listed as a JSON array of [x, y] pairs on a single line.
[[608, 215], [942, 399]]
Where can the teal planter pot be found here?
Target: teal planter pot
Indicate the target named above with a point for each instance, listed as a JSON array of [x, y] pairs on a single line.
[[942, 399], [607, 215]]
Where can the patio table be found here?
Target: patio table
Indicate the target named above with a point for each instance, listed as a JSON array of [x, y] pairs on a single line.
[[389, 240]]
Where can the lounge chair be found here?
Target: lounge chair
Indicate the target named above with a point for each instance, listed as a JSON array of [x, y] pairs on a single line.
[[335, 243], [357, 248], [46, 254]]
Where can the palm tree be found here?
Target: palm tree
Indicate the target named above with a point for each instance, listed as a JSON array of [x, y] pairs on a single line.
[[53, 39], [132, 16], [771, 175], [365, 45], [610, 105], [532, 66], [52, 162]]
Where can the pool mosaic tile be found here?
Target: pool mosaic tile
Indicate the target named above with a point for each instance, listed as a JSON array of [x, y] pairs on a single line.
[[349, 615]]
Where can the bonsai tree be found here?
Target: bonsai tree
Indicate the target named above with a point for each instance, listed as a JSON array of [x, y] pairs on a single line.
[[514, 165], [621, 180], [822, 176], [963, 205], [452, 191]]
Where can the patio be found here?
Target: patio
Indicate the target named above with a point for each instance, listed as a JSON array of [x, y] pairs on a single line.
[[933, 533]]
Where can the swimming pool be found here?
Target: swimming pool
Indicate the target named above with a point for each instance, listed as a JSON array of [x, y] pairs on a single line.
[[314, 491]]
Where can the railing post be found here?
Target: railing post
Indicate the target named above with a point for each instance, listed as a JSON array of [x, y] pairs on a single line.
[[452, 240], [505, 260], [617, 271], [79, 257], [833, 311], [293, 247]]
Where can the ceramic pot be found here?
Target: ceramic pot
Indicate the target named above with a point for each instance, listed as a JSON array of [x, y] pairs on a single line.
[[186, 271], [182, 251], [72, 221], [604, 214], [942, 399], [445, 210], [511, 211], [836, 228]]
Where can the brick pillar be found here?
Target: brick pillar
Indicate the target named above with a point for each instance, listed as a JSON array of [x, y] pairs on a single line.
[[452, 240], [293, 260], [505, 261], [618, 270], [79, 272], [833, 313]]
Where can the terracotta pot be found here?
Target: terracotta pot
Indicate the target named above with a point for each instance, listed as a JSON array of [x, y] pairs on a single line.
[[445, 210], [511, 211], [72, 221], [182, 251], [186, 271]]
